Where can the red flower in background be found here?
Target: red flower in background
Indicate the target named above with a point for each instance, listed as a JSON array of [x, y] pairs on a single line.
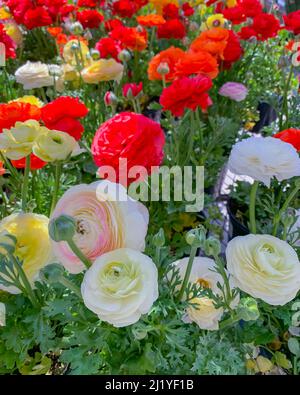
[[186, 93], [124, 8], [17, 112], [187, 9], [90, 18], [130, 37], [130, 136], [291, 136], [247, 32], [266, 26], [53, 6], [112, 24], [173, 28], [108, 48], [235, 14], [170, 11], [37, 17], [18, 8], [233, 50], [35, 163], [9, 44], [292, 22], [2, 170], [134, 88], [87, 3], [66, 10], [63, 113], [251, 8]]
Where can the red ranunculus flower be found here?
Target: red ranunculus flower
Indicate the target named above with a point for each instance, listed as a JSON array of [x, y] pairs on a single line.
[[90, 18], [37, 17], [18, 8], [53, 6], [35, 163], [233, 50], [66, 10], [108, 48], [173, 28], [134, 88], [17, 112], [266, 26], [63, 113], [130, 37], [124, 8], [187, 9], [112, 24], [235, 14], [9, 44], [87, 3], [292, 21], [186, 93], [251, 8], [129, 136], [247, 32], [170, 11], [291, 136]]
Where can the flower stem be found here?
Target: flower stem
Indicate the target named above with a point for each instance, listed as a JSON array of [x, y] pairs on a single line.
[[25, 183], [68, 284], [56, 186], [252, 207], [79, 254], [188, 272]]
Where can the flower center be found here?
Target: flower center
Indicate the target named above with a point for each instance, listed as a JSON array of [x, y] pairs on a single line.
[[203, 283]]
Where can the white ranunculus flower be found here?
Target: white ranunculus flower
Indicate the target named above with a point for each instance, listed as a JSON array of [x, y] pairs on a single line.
[[106, 218], [35, 75], [265, 267], [206, 316], [2, 314], [264, 158], [120, 286]]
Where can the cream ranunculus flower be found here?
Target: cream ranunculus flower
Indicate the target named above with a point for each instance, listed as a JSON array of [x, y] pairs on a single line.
[[2, 314], [103, 70], [206, 316], [17, 142], [264, 158], [120, 286], [33, 243], [34, 75], [103, 223], [53, 145], [265, 267]]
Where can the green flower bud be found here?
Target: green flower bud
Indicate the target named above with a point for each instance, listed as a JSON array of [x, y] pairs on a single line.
[[62, 228], [159, 238], [52, 273], [76, 28], [74, 47], [95, 54], [163, 68], [196, 237], [212, 247], [247, 309], [124, 56]]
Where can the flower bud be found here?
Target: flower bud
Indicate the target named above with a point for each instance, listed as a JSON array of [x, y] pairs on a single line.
[[52, 273], [247, 309], [163, 68], [110, 99], [74, 47], [124, 56], [287, 220], [62, 228], [159, 238], [95, 54], [196, 237], [212, 247], [76, 28]]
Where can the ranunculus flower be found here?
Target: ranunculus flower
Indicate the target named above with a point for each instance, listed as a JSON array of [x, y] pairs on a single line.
[[103, 222], [33, 243], [17, 142], [90, 18], [292, 21], [213, 41], [186, 93], [37, 17], [234, 90], [150, 20], [80, 52], [13, 112], [35, 163], [251, 8], [132, 89], [265, 267], [130, 136], [291, 136], [266, 26], [9, 44], [206, 316], [108, 47], [2, 314], [170, 57], [103, 70], [172, 28], [264, 158], [120, 286], [54, 145], [130, 37], [200, 62], [235, 14], [34, 75]]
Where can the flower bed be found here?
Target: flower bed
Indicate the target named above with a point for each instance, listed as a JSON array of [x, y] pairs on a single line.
[[149, 187]]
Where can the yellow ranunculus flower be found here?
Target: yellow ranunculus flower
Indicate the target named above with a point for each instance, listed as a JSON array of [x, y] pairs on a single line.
[[70, 54], [4, 14], [33, 244], [103, 70], [17, 142], [54, 145], [70, 73], [29, 99], [216, 20], [14, 32]]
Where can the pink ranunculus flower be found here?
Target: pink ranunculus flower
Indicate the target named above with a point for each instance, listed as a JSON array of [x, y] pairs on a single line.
[[234, 90], [107, 219]]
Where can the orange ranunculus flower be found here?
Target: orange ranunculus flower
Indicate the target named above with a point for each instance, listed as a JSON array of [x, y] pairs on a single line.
[[17, 112], [200, 62], [54, 31], [170, 56], [130, 37], [213, 41], [151, 20]]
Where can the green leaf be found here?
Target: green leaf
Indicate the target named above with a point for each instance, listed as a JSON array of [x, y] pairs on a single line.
[[281, 360]]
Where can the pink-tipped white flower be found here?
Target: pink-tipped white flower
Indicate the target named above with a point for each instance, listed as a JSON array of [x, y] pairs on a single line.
[[234, 91]]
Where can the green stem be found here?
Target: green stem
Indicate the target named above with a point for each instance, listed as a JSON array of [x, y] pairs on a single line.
[[284, 207], [188, 272], [56, 186], [252, 207], [68, 284], [25, 183], [79, 254], [285, 102], [230, 321]]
